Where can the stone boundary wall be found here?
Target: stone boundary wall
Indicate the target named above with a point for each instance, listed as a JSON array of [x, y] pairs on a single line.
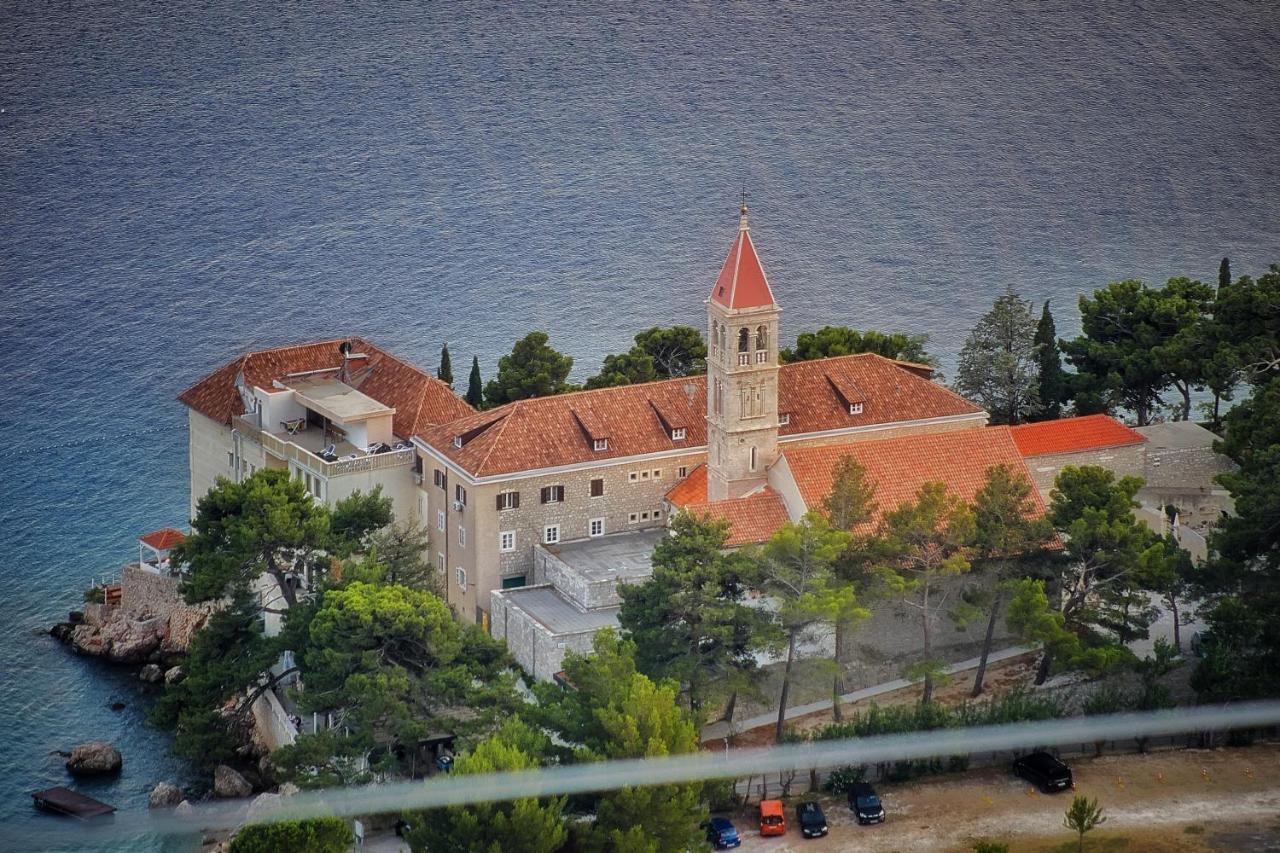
[[532, 644], [144, 591], [272, 721]]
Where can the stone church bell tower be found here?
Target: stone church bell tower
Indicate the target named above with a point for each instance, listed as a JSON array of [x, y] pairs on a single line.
[[742, 373]]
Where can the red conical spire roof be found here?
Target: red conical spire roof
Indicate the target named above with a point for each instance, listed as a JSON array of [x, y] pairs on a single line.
[[742, 283]]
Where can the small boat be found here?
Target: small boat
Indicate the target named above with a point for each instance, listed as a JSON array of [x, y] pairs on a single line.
[[65, 801]]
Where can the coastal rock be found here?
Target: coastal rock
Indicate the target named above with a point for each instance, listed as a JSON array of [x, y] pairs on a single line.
[[62, 632], [95, 758], [165, 795], [151, 673], [288, 789], [261, 806], [88, 640], [173, 675], [130, 641], [184, 808], [227, 783]]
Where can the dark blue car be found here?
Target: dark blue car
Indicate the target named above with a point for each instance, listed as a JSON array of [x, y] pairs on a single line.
[[722, 834]]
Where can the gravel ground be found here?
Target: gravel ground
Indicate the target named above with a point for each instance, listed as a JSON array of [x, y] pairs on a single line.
[[1185, 800]]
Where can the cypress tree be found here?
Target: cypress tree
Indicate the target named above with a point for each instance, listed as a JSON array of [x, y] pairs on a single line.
[[475, 390], [1053, 380], [445, 373], [1224, 274]]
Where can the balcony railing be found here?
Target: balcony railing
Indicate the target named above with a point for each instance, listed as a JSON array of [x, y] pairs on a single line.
[[291, 452]]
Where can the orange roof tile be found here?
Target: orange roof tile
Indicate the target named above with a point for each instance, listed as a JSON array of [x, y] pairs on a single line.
[[900, 466], [164, 538], [742, 283], [1069, 435], [752, 519], [544, 432], [691, 490], [419, 399]]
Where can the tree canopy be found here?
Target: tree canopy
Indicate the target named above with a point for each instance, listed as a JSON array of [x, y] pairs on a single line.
[[658, 353], [841, 340], [999, 364], [1052, 378], [445, 372], [475, 388], [533, 369], [688, 621]]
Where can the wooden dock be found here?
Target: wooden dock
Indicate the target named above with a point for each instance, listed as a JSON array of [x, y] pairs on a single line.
[[65, 801]]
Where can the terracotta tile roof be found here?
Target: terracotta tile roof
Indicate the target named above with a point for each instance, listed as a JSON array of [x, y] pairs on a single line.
[[164, 538], [900, 466], [742, 283], [1069, 435], [691, 490], [420, 400], [752, 519], [545, 432]]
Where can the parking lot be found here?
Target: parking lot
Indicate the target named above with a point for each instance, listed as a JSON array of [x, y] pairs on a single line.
[[1184, 800]]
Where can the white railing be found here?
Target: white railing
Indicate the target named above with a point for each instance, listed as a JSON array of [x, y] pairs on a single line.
[[291, 452]]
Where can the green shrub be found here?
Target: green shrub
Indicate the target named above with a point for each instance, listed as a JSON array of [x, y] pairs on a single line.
[[316, 835], [985, 846], [95, 595], [842, 779]]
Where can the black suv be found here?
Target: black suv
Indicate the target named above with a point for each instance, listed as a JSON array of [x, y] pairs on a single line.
[[1044, 771], [866, 804], [813, 823]]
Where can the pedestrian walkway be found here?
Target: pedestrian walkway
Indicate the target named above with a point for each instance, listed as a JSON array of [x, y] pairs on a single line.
[[722, 729]]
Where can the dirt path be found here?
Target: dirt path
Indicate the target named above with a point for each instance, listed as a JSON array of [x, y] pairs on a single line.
[[1188, 800]]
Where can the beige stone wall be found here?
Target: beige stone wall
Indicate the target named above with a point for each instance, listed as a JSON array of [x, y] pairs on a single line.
[[208, 443], [143, 591], [1124, 461], [886, 431], [397, 484], [486, 566]]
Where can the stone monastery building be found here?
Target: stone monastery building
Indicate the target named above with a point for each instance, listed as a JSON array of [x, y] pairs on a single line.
[[538, 509]]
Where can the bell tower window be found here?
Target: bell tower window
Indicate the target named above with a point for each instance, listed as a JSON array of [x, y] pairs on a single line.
[[743, 338]]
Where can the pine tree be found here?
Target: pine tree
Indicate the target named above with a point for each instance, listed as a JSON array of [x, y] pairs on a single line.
[[445, 373], [1053, 381], [1224, 274], [475, 389], [998, 364]]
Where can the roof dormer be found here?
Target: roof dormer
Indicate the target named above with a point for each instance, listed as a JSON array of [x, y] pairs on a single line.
[[593, 427], [848, 391]]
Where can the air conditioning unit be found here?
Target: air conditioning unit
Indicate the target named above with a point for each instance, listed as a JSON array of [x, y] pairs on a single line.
[[458, 505]]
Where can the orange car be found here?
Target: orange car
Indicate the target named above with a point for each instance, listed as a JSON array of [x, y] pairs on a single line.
[[772, 819]]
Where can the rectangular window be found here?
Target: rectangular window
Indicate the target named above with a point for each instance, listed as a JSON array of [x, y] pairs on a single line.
[[678, 434], [753, 459], [595, 527], [437, 477], [552, 494], [507, 541], [657, 473], [514, 582], [784, 419], [601, 444], [508, 500], [440, 560], [644, 475], [457, 441], [551, 534], [633, 518], [461, 575], [459, 494], [462, 536], [231, 460], [855, 408], [597, 487], [632, 476], [644, 516], [682, 471], [440, 520]]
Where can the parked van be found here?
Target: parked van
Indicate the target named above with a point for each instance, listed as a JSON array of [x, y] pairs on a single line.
[[772, 819]]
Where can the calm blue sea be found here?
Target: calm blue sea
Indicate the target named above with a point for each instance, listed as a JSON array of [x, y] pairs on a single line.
[[182, 181]]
